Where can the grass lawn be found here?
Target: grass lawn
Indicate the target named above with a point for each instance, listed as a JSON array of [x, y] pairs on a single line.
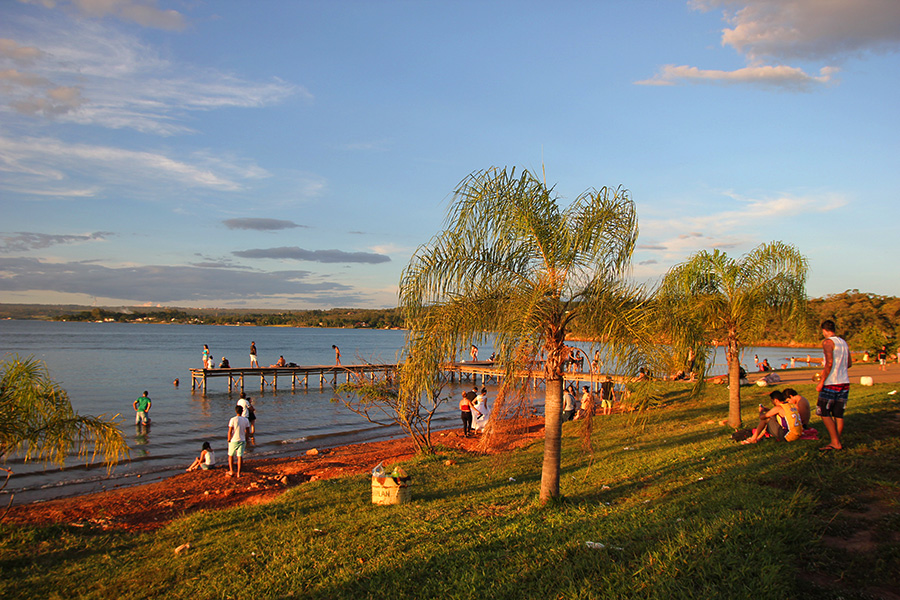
[[673, 507]]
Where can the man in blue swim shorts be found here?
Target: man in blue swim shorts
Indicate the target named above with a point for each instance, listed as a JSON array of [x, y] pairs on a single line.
[[834, 385], [238, 432]]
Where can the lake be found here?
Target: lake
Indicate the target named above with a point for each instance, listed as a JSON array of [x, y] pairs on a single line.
[[105, 366]]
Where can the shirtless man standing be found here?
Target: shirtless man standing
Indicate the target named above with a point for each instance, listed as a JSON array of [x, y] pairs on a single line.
[[834, 385]]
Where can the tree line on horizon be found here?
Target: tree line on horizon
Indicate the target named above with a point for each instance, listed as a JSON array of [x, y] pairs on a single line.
[[359, 318], [867, 320]]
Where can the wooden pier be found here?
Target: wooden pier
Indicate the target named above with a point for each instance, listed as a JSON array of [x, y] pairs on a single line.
[[471, 371], [334, 374]]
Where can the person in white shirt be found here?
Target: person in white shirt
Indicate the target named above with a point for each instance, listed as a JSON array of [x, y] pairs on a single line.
[[834, 385], [238, 432]]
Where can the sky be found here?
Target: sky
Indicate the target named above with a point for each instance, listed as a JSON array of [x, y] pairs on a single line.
[[295, 154]]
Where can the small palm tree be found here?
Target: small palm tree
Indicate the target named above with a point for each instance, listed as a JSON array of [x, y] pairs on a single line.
[[712, 298], [514, 266], [37, 420]]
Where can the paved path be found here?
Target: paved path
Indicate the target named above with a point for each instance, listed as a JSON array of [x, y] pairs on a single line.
[[891, 374]]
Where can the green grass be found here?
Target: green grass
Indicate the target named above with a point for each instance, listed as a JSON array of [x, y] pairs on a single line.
[[681, 510]]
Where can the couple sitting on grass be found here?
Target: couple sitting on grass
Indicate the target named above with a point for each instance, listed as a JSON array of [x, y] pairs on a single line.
[[786, 421]]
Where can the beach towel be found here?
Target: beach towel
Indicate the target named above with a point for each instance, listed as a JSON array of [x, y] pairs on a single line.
[[809, 434]]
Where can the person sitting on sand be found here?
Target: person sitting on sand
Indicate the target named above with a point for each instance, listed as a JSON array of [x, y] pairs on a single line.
[[801, 403], [206, 460], [781, 422]]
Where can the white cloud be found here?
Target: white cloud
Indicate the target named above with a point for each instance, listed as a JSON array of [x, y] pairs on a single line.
[[808, 29], [34, 164], [114, 80], [391, 248], [780, 31]]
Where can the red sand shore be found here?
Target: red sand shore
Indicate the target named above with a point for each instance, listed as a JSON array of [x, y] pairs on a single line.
[[147, 507], [150, 506]]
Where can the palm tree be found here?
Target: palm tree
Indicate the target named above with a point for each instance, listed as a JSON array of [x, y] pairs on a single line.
[[711, 297], [37, 420], [515, 266]]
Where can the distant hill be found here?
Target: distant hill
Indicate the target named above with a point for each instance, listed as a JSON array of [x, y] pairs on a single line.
[[335, 317]]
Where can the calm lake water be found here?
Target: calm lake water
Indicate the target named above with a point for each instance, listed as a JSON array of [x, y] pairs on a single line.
[[105, 366]]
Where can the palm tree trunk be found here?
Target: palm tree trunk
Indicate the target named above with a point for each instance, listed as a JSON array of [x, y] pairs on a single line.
[[552, 439], [732, 356]]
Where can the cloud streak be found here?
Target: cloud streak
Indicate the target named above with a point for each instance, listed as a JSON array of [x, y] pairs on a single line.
[[24, 241], [83, 72], [321, 256], [255, 224], [158, 283], [777, 77], [730, 226], [142, 12], [46, 166]]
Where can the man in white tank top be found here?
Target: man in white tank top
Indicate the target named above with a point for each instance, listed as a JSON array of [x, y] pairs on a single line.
[[834, 385]]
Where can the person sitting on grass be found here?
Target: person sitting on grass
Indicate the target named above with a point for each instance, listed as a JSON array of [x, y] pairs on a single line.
[[781, 422], [801, 403], [206, 460]]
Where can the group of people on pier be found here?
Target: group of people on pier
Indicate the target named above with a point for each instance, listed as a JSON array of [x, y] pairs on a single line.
[[209, 361]]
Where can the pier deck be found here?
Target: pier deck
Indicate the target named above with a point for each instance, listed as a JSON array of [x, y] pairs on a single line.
[[335, 374], [296, 375]]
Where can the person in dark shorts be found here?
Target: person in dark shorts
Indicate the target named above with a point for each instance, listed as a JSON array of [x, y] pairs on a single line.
[[834, 385]]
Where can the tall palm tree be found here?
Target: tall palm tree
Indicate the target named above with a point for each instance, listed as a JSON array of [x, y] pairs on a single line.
[[711, 298], [38, 422], [514, 265]]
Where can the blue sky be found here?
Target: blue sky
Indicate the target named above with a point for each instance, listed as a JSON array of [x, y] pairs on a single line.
[[295, 154]]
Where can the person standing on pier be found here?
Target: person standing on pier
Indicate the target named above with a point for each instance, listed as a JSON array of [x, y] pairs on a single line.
[[253, 362], [238, 432], [205, 356], [141, 408], [337, 355]]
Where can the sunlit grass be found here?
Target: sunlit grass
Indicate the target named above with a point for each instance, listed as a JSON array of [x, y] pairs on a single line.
[[674, 510]]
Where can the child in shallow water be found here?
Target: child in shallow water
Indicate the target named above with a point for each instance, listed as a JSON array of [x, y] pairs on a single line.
[[206, 460]]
